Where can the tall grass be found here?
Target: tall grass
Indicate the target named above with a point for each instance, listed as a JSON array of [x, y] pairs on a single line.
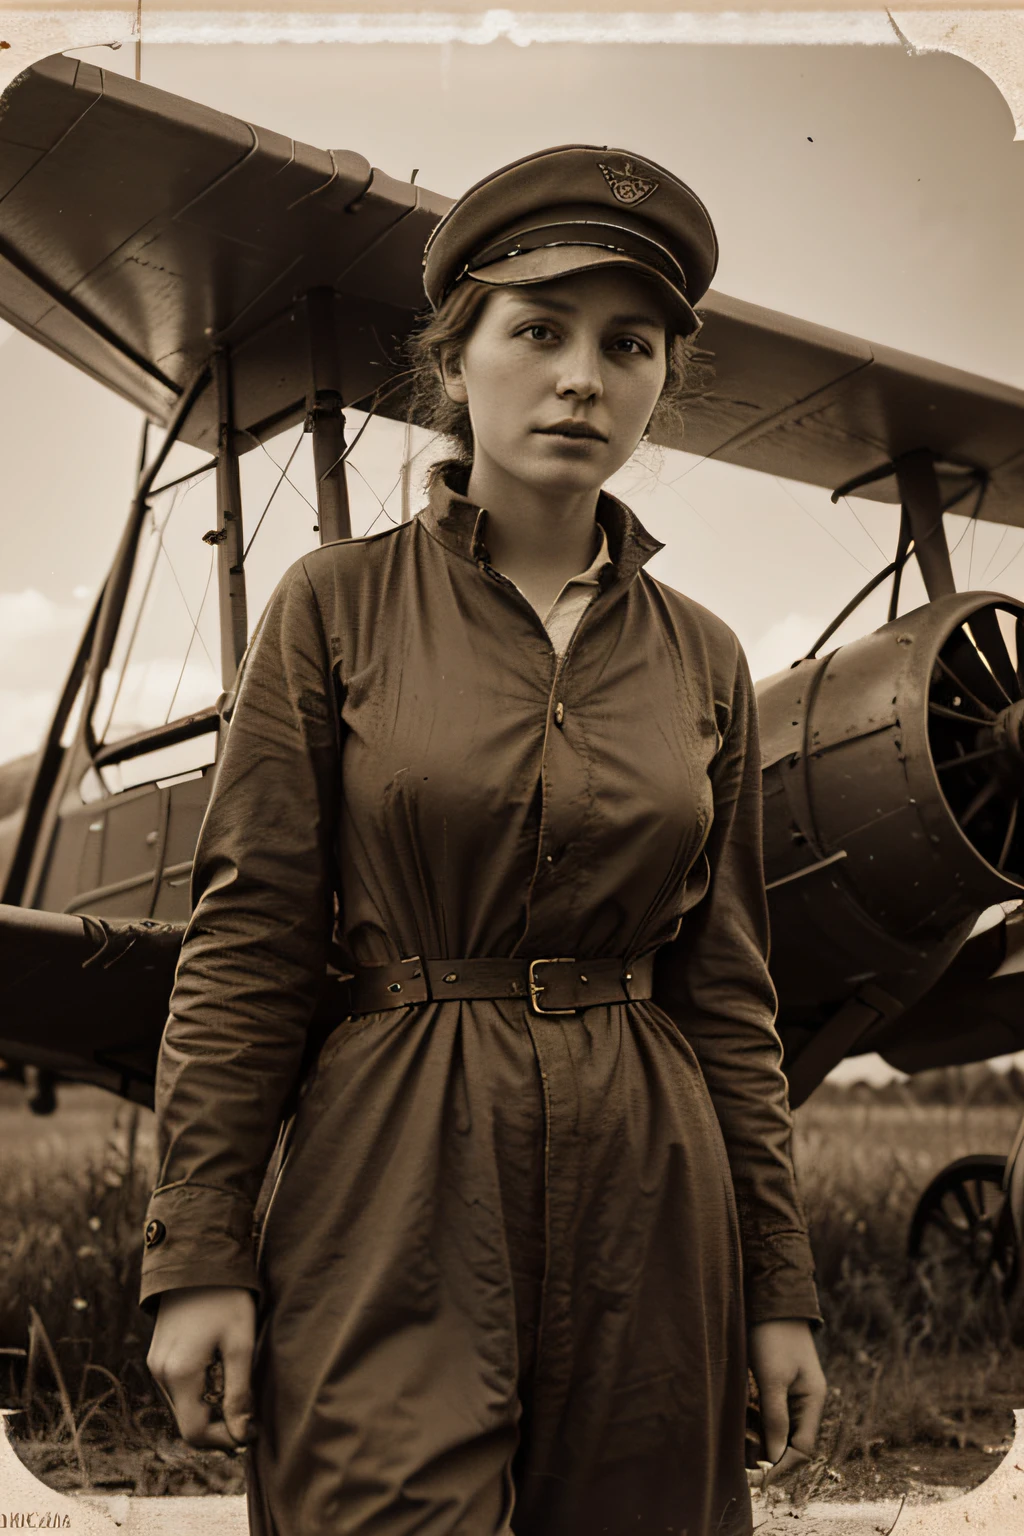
[[921, 1364], [922, 1373], [73, 1341]]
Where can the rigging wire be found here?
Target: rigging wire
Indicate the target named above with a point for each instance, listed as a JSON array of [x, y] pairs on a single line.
[[850, 508], [383, 508], [1013, 557], [194, 621], [659, 479], [823, 526], [970, 563], [376, 496], [992, 557], [158, 529], [670, 485], [972, 522], [704, 458], [376, 399], [990, 561], [282, 477], [181, 491], [343, 455], [967, 529], [401, 473], [245, 431], [195, 632]]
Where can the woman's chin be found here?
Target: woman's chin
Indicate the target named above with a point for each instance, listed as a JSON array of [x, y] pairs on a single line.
[[562, 477]]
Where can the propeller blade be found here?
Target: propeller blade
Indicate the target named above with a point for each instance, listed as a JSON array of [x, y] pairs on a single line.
[[980, 801], [1008, 839], [968, 758], [945, 667], [956, 714], [984, 626], [961, 655]]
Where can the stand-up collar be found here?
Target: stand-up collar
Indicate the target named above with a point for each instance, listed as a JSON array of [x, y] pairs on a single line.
[[460, 525]]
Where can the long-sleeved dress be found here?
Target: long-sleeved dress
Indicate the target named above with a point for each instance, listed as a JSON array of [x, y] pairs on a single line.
[[506, 1270]]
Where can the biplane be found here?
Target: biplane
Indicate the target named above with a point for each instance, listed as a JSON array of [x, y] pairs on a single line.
[[234, 284]]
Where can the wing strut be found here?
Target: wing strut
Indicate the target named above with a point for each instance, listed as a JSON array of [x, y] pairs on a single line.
[[324, 418], [234, 619], [922, 505], [921, 526]]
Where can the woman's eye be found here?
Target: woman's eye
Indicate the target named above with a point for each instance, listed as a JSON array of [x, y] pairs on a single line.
[[538, 332], [633, 345]]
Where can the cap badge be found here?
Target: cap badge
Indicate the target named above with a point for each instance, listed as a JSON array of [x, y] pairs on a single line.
[[627, 187]]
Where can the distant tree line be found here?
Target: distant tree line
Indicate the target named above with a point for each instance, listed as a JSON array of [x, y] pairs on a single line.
[[976, 1083]]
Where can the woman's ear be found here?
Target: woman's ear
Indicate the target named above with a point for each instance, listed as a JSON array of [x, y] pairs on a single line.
[[450, 368]]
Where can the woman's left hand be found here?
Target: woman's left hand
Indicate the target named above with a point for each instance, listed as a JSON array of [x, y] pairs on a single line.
[[792, 1388]]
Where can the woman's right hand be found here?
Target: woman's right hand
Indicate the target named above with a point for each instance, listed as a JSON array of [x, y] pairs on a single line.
[[194, 1328]]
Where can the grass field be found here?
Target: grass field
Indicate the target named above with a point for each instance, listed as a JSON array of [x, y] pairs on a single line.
[[923, 1378]]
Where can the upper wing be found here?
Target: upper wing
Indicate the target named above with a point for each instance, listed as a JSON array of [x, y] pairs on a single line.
[[138, 230]]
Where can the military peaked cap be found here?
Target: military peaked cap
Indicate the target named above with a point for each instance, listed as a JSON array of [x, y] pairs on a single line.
[[570, 209]]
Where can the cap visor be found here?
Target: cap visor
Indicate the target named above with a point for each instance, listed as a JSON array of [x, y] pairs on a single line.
[[549, 262]]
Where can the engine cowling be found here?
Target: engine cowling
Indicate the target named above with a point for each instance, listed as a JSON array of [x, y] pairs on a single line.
[[893, 770]]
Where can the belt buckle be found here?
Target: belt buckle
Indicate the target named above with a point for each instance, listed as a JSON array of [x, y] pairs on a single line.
[[536, 989]]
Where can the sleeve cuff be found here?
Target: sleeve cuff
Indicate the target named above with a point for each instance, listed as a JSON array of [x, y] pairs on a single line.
[[780, 1280], [196, 1235]]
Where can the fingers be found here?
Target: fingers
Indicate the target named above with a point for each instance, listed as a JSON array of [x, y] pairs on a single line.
[[774, 1418], [182, 1383], [201, 1360], [805, 1408], [792, 1392], [185, 1390], [237, 1404], [791, 1460], [807, 1405], [218, 1437]]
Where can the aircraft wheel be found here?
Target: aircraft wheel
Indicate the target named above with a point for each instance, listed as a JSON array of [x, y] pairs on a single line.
[[961, 1225]]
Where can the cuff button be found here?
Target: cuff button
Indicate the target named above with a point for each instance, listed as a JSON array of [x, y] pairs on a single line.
[[155, 1233]]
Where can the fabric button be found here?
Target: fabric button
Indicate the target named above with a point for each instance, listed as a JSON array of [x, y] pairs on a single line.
[[559, 712], [155, 1233]]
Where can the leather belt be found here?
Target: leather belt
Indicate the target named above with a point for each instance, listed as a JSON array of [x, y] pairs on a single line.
[[550, 985]]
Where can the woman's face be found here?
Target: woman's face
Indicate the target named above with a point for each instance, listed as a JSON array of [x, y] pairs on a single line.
[[561, 378]]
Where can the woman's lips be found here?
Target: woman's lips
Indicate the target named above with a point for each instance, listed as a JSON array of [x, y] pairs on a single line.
[[575, 431]]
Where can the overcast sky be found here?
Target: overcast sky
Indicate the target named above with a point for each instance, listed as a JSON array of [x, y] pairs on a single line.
[[870, 191]]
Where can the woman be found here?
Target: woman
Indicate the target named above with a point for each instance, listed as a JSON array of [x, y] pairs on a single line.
[[501, 1279]]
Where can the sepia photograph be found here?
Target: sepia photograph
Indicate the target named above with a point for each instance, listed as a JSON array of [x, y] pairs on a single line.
[[511, 756]]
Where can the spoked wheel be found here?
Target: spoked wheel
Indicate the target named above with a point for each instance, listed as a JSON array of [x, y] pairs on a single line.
[[976, 731], [960, 1226]]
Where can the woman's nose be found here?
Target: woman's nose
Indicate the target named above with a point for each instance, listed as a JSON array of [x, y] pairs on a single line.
[[580, 374]]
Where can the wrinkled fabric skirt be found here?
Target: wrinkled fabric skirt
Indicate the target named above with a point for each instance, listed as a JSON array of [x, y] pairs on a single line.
[[502, 1286]]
